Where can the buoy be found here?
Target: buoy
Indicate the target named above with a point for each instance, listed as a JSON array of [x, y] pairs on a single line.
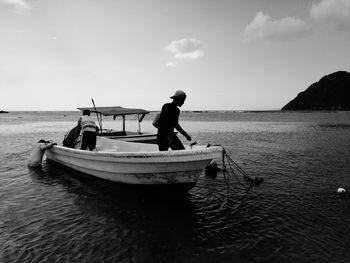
[[211, 169], [341, 191]]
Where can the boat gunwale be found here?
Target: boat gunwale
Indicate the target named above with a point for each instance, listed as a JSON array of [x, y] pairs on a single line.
[[143, 155], [143, 135]]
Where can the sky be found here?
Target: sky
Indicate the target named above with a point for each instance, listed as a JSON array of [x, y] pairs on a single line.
[[225, 54]]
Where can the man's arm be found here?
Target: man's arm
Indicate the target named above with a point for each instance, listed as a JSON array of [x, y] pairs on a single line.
[[182, 131], [79, 122], [47, 146]]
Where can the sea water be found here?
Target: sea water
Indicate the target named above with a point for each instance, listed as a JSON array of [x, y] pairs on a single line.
[[56, 215]]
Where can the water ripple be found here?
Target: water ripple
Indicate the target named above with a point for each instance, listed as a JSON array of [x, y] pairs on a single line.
[[56, 215]]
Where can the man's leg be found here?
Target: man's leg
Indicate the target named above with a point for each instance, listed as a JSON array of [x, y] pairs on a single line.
[[92, 141], [162, 142], [84, 141], [176, 144]]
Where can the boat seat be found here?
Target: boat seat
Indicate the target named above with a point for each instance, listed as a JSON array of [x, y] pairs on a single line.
[[110, 145], [114, 133]]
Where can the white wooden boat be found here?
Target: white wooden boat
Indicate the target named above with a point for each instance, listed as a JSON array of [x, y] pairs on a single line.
[[116, 111], [137, 163]]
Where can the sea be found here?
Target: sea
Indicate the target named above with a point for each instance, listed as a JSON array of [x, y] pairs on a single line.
[[55, 214]]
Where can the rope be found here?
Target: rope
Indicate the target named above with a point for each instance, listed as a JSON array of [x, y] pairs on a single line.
[[234, 166]]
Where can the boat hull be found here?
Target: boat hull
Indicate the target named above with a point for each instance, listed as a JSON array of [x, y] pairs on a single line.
[[138, 168]]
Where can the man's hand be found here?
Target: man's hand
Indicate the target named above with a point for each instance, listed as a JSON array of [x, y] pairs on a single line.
[[188, 137]]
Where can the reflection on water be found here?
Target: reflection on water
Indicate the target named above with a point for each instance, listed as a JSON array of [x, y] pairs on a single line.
[[55, 214], [95, 219]]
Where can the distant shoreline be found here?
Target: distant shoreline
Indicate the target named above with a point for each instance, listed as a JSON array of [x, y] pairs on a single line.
[[192, 111]]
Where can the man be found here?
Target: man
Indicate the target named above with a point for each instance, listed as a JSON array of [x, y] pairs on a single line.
[[88, 131], [37, 153], [71, 137], [168, 120]]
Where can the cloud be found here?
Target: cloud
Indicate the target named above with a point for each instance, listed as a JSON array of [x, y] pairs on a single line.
[[263, 27], [19, 6], [171, 64], [187, 48], [334, 13]]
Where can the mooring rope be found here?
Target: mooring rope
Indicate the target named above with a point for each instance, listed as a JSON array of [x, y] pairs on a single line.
[[232, 166]]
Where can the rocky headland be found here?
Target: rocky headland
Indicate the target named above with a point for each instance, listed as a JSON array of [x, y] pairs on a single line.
[[332, 92]]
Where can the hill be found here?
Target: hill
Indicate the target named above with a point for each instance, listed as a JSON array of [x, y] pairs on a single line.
[[332, 92]]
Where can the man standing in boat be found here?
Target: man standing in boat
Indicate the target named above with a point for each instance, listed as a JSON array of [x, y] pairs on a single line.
[[168, 120], [88, 131]]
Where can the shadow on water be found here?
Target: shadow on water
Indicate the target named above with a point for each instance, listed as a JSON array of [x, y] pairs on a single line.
[[88, 186], [129, 223]]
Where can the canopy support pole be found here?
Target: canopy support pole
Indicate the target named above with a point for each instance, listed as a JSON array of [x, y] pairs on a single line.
[[123, 123], [138, 121]]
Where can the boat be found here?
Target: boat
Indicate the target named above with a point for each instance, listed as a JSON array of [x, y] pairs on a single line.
[[117, 111], [137, 163], [2, 111]]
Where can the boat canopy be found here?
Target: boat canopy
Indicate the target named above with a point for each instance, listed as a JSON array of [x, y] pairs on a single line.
[[115, 111]]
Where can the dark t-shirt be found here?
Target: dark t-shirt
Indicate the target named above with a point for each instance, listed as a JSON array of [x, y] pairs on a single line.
[[169, 118]]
